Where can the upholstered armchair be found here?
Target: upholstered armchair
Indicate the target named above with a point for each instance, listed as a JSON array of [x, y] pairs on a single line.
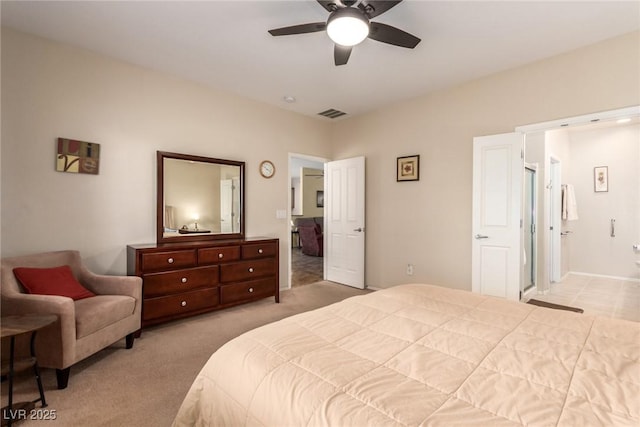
[[109, 312], [311, 239]]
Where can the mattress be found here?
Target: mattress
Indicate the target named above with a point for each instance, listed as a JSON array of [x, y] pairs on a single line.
[[422, 355]]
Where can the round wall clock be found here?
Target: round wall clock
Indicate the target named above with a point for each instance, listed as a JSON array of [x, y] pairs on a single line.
[[267, 169]]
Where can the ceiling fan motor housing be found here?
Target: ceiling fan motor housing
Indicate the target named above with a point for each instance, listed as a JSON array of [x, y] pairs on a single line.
[[348, 26], [342, 3]]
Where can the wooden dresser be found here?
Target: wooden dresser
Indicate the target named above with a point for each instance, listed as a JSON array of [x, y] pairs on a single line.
[[183, 279]]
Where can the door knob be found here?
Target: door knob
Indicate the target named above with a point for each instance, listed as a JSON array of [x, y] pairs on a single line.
[[359, 229], [480, 236]]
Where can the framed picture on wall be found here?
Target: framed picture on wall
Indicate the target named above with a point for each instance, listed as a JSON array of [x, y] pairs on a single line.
[[600, 179], [320, 199], [77, 156], [408, 168]]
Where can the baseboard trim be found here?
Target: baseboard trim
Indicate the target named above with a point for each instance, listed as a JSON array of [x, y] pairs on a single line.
[[604, 276], [527, 294]]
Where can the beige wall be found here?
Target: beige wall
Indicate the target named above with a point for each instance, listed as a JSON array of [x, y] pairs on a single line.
[[51, 90], [592, 249], [311, 184], [428, 223]]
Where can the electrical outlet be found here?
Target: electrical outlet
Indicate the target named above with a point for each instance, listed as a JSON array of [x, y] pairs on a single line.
[[410, 269]]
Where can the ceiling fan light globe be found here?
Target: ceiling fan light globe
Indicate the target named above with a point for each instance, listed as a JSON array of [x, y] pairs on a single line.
[[347, 27]]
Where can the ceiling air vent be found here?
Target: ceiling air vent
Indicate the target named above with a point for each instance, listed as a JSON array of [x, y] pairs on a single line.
[[332, 114]]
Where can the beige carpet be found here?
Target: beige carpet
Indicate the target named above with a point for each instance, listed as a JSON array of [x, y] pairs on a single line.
[[145, 386]]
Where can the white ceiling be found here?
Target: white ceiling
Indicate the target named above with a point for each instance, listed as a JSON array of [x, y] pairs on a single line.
[[225, 44], [297, 163]]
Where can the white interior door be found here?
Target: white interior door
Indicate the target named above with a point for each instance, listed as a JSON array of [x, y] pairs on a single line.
[[344, 221], [555, 227], [498, 168], [226, 206]]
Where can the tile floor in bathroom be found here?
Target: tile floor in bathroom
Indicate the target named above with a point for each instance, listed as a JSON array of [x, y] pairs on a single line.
[[597, 295]]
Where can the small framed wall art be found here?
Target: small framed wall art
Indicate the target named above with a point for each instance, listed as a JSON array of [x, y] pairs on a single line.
[[600, 179], [408, 168], [78, 156]]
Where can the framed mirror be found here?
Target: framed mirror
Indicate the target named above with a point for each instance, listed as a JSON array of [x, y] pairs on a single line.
[[199, 198]]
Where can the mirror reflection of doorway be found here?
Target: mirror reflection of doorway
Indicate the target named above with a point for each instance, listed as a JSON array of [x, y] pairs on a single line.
[[529, 228]]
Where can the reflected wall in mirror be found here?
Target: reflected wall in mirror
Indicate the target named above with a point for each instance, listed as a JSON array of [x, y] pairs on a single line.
[[199, 198]]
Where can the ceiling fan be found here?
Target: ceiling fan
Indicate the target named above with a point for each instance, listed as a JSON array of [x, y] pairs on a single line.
[[349, 24]]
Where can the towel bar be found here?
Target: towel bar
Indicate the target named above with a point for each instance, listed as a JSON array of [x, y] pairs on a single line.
[[613, 227]]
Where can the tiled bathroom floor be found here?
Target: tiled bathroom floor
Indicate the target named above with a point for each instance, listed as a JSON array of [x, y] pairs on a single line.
[[597, 295]]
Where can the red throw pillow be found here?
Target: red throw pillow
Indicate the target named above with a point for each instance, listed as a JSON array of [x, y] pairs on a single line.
[[52, 281]]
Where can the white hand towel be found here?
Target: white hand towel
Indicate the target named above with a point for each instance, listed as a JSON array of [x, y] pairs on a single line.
[[563, 202], [571, 205], [170, 217]]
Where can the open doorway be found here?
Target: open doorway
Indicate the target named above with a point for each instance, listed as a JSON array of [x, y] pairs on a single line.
[[591, 211], [306, 177], [575, 216]]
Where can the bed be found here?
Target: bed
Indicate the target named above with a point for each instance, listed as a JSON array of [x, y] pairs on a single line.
[[422, 355]]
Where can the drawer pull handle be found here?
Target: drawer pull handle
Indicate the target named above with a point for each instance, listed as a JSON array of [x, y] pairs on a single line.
[[170, 260], [250, 290], [183, 303], [184, 280], [250, 269], [220, 256], [260, 251]]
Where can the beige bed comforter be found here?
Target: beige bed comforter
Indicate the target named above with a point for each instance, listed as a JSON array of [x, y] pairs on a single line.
[[423, 355]]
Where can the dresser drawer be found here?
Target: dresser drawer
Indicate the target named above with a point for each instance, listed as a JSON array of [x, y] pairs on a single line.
[[171, 282], [247, 290], [176, 305], [217, 255], [247, 270], [168, 260], [259, 250]]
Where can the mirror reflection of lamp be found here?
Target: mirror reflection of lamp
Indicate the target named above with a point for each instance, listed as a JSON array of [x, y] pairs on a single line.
[[196, 217]]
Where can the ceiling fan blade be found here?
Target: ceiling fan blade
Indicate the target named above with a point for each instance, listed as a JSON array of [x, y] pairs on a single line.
[[326, 4], [374, 8], [341, 54], [387, 34], [299, 29]]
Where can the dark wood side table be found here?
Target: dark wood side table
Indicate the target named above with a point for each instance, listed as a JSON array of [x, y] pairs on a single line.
[[13, 327], [295, 233]]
